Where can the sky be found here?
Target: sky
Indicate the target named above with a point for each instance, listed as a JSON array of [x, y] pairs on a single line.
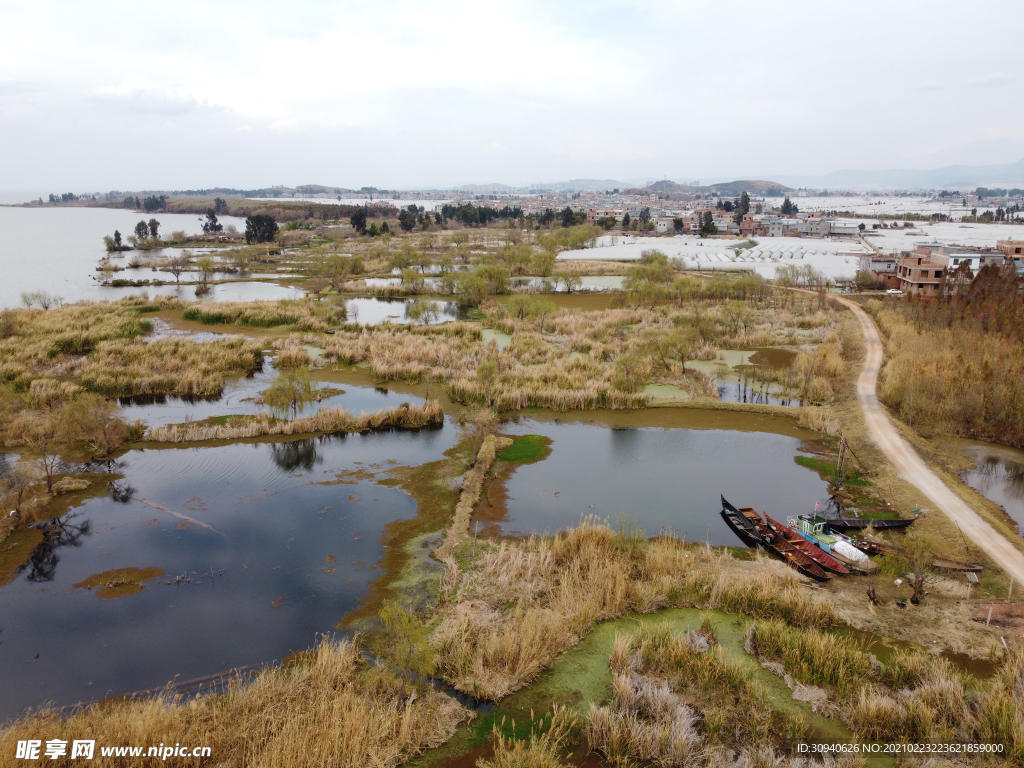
[[399, 95]]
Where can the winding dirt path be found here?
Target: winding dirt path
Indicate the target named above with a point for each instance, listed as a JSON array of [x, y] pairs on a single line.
[[913, 469]]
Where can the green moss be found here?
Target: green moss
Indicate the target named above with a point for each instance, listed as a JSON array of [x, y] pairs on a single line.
[[527, 448], [827, 470]]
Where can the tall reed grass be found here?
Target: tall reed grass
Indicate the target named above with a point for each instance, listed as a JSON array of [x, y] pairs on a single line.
[[524, 602], [328, 420], [331, 710]]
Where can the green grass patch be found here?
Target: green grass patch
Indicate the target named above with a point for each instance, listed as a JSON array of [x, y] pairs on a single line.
[[827, 470], [527, 448]]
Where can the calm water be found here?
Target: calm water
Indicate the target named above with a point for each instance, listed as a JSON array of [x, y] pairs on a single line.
[[371, 311], [262, 587], [665, 478], [57, 250], [278, 531], [236, 399], [999, 476]]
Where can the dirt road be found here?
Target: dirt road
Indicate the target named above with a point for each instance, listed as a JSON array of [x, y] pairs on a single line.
[[913, 469]]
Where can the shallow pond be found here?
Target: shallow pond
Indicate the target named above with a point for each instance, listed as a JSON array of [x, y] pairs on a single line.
[[668, 479], [737, 374], [285, 557], [999, 476], [238, 394], [372, 311]]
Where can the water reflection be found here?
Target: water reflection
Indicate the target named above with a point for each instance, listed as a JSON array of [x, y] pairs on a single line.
[[999, 476], [296, 538], [66, 531], [297, 454], [665, 478]]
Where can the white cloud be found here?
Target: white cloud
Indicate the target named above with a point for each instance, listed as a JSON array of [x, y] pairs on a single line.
[[130, 97]]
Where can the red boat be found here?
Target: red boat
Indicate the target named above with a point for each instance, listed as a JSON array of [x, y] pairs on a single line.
[[818, 555], [778, 545]]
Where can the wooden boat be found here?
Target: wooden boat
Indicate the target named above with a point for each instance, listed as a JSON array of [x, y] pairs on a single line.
[[857, 524], [740, 525], [953, 565], [817, 531], [818, 555], [831, 510], [757, 533]]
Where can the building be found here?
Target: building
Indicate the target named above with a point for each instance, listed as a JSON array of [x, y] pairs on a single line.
[[664, 225], [881, 268], [1012, 248], [921, 271]]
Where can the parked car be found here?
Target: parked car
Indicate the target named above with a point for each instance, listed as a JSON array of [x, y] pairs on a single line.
[[894, 292]]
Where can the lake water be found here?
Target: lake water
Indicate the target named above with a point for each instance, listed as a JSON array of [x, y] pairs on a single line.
[[56, 250], [288, 557], [666, 478], [999, 476]]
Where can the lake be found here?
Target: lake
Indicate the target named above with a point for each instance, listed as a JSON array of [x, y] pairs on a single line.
[[56, 250], [288, 557]]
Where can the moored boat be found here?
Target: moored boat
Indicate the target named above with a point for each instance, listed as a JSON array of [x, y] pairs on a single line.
[[740, 525], [817, 531], [752, 530], [818, 555]]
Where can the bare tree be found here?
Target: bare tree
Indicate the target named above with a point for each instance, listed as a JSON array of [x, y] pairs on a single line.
[[179, 263]]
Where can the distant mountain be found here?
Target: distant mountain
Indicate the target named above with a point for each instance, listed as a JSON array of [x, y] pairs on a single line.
[[966, 177], [573, 185], [676, 190]]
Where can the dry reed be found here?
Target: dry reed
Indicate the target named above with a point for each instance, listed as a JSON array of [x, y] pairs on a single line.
[[328, 420], [331, 710]]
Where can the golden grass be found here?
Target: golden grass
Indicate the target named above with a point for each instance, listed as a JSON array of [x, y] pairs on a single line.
[[665, 684], [811, 656], [99, 347], [472, 484], [523, 602], [328, 420], [957, 381], [333, 709], [543, 748]]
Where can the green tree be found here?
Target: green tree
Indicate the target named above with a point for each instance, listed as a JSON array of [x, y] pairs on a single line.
[[142, 230], [744, 203], [290, 390], [788, 207], [625, 222], [645, 217], [206, 267], [260, 228], [358, 220], [707, 224], [154, 228], [470, 289], [211, 225]]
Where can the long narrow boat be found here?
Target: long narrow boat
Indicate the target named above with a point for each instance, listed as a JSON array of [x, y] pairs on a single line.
[[818, 555], [740, 525], [816, 530], [857, 524], [757, 533]]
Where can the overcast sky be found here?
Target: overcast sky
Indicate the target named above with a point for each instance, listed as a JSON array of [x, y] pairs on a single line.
[[131, 95]]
